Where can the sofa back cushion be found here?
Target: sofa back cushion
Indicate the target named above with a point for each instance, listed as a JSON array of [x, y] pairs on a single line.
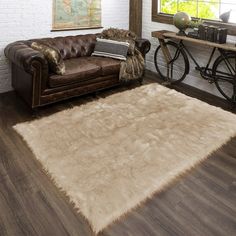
[[73, 46]]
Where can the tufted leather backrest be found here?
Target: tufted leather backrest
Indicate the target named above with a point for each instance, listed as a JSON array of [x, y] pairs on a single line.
[[72, 46]]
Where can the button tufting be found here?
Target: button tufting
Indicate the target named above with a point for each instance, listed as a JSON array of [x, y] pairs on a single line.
[[74, 46]]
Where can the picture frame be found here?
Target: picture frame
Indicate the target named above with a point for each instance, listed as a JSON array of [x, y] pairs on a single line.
[[76, 15]]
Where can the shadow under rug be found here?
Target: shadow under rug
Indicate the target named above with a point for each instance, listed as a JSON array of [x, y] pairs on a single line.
[[110, 155]]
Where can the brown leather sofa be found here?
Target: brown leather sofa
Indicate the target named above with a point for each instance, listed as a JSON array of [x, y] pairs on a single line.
[[32, 79]]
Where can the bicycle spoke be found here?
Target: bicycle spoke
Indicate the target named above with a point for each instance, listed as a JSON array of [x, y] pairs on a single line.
[[178, 65], [224, 73], [229, 66], [225, 79], [176, 56]]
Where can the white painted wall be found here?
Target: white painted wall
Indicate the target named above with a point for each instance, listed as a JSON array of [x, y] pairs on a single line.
[[201, 53], [26, 19]]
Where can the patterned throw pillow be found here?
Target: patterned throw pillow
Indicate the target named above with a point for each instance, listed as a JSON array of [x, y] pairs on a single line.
[[111, 48], [121, 35], [55, 61]]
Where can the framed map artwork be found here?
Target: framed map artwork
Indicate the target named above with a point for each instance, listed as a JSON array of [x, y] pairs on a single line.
[[76, 14]]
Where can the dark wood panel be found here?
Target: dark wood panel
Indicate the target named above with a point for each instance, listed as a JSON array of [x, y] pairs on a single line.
[[135, 16], [202, 203]]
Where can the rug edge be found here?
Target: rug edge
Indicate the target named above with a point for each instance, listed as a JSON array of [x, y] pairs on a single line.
[[100, 99], [135, 206], [164, 187], [52, 180], [141, 202]]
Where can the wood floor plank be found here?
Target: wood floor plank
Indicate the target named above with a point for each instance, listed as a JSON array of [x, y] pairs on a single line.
[[202, 203], [14, 220], [47, 208]]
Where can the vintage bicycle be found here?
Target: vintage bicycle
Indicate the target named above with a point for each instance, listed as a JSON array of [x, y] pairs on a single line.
[[172, 62]]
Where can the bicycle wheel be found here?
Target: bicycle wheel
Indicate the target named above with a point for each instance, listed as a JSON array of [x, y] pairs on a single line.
[[179, 65], [224, 73]]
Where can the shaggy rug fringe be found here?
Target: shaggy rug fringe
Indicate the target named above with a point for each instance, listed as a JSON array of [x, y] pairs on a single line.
[[136, 206]]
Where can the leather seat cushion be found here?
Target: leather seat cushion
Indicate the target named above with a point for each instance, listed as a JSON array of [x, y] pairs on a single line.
[[84, 68], [77, 70], [109, 66]]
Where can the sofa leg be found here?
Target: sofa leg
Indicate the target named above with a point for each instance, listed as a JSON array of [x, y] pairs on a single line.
[[35, 112], [95, 94], [141, 81]]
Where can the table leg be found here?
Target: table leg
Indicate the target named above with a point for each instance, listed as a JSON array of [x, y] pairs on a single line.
[[168, 58]]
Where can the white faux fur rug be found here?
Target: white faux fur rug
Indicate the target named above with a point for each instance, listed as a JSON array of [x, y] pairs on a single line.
[[112, 154]]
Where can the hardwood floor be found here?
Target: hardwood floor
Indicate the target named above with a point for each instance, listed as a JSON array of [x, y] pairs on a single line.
[[203, 203]]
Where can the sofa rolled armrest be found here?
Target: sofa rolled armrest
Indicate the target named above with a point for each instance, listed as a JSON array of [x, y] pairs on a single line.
[[24, 56], [143, 45], [29, 71]]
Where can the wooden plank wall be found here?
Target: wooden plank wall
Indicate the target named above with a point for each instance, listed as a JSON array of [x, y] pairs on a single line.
[[135, 16]]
